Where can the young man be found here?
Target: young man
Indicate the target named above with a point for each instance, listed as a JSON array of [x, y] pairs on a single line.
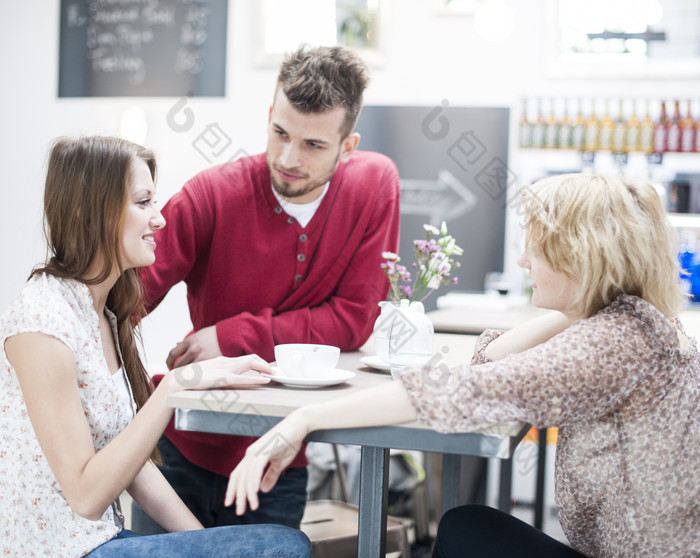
[[279, 247]]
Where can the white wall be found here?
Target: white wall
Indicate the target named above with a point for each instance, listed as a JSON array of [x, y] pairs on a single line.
[[428, 57]]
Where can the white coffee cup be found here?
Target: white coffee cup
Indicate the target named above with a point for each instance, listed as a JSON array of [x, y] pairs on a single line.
[[306, 360]]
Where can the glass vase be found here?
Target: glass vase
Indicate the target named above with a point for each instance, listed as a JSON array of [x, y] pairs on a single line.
[[410, 337], [382, 328]]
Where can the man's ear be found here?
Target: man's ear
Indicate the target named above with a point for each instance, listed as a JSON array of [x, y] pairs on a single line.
[[348, 146]]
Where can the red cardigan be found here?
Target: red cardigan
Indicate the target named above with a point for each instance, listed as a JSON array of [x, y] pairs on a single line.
[[252, 270]]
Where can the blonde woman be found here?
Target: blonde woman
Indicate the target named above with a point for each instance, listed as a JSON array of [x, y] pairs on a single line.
[[612, 368], [72, 381]]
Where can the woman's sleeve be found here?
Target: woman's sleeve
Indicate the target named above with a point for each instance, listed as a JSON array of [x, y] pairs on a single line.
[[482, 342], [43, 311], [584, 372]]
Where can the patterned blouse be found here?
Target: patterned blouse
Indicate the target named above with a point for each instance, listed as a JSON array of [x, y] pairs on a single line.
[[35, 519], [626, 398]]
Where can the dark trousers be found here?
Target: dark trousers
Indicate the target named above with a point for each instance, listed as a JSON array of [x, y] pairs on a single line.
[[479, 531], [203, 492]]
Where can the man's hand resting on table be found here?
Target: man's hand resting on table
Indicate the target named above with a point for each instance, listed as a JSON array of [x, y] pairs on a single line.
[[200, 345]]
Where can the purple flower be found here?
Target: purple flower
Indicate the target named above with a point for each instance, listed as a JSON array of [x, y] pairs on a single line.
[[426, 247], [434, 262]]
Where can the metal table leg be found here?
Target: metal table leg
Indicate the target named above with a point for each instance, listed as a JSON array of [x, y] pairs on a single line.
[[450, 482], [541, 477], [374, 476], [505, 501]]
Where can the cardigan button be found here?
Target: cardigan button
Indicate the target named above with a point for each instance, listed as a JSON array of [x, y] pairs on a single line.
[[301, 257], [298, 277], [278, 209], [291, 220], [302, 237]]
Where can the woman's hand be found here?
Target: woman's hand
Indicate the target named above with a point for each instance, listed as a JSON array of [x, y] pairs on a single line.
[[376, 406], [221, 372], [278, 447]]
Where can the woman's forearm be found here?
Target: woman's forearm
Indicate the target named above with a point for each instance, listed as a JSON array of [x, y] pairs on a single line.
[[381, 405], [527, 335], [266, 460], [109, 471], [159, 500]]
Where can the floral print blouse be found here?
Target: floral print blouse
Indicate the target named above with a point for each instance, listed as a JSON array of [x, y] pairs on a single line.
[[36, 520], [625, 394]]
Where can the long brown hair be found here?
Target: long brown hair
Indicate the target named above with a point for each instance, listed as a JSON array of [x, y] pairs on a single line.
[[86, 191]]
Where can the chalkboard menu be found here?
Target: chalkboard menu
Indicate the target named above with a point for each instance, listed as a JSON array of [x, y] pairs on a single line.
[[115, 48]]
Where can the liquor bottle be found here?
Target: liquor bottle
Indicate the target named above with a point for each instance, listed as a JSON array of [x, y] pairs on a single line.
[[565, 129], [697, 135], [538, 127], [551, 130], [673, 139], [619, 133], [590, 142], [688, 131], [606, 130], [525, 127], [646, 132], [634, 128], [661, 131], [578, 130]]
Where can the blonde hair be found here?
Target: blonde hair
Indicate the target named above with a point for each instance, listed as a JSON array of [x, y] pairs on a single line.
[[610, 234]]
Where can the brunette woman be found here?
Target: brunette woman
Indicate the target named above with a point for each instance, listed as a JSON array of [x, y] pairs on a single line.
[[78, 423]]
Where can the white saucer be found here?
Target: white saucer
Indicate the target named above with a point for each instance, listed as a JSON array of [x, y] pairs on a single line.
[[332, 378], [375, 362]]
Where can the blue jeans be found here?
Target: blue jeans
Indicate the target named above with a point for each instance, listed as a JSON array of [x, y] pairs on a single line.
[[203, 493], [243, 541]]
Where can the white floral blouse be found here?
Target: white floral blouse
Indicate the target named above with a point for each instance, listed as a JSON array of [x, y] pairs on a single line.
[[35, 519], [625, 395]]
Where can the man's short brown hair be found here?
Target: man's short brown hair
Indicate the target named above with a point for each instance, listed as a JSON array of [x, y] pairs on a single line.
[[319, 79]]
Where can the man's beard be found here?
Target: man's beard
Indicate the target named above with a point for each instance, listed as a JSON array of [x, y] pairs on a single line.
[[289, 191]]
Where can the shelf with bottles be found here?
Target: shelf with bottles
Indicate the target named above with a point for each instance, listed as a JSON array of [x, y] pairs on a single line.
[[589, 125]]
